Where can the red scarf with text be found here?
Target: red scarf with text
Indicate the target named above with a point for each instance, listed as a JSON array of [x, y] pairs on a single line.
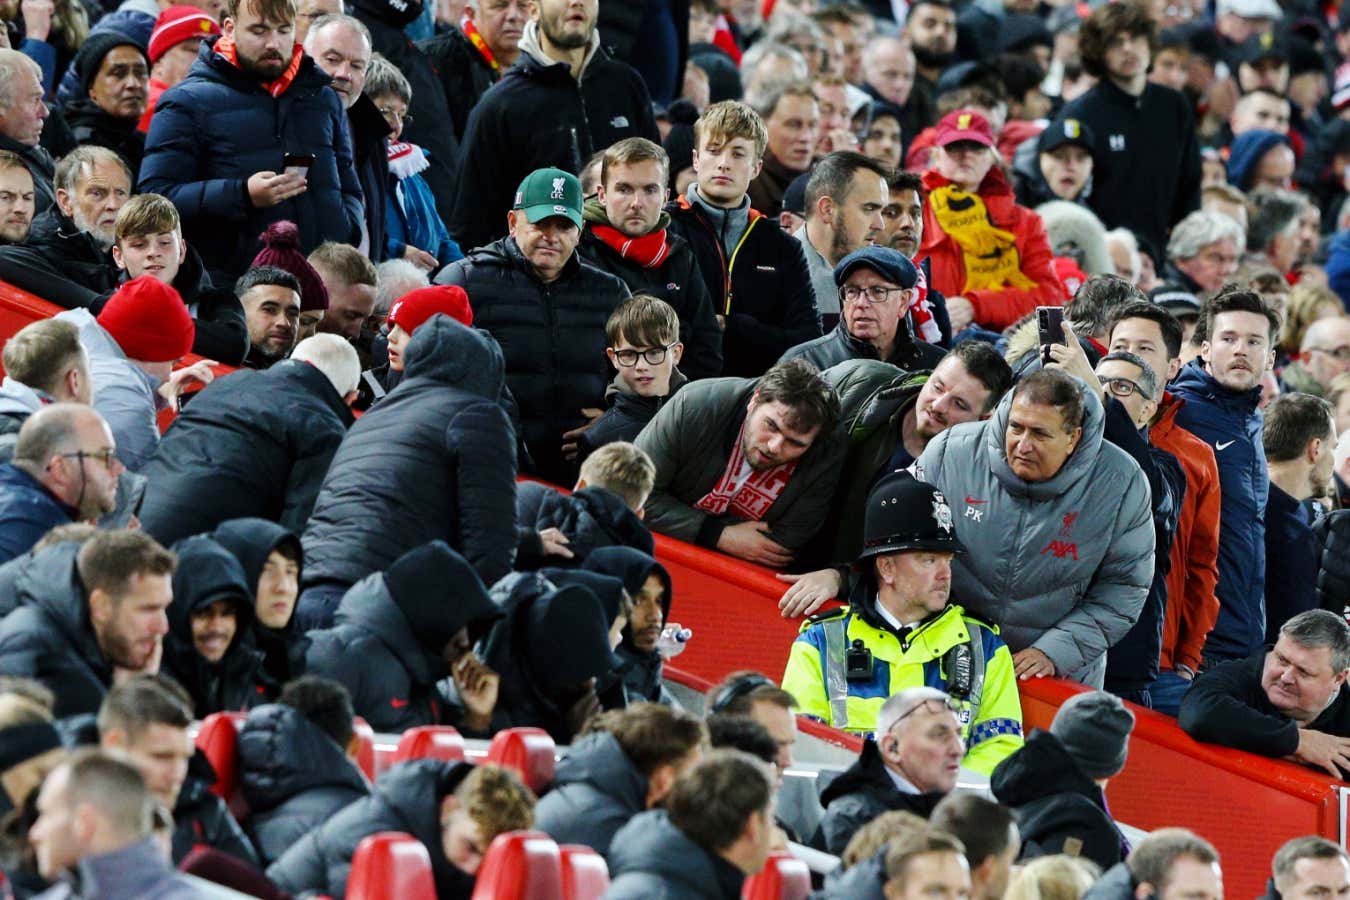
[[228, 52], [743, 491], [471, 32], [649, 251]]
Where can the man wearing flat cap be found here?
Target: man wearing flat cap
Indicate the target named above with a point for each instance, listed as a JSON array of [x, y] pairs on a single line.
[[876, 287]]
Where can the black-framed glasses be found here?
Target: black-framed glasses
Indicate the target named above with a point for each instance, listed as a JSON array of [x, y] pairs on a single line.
[[1120, 387], [949, 704], [107, 457], [390, 113], [874, 295], [653, 355]]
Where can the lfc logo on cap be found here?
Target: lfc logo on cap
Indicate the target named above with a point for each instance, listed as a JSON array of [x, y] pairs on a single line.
[[558, 188], [963, 120]]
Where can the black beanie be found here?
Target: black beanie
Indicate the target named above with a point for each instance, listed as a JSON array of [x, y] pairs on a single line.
[[92, 51], [420, 582]]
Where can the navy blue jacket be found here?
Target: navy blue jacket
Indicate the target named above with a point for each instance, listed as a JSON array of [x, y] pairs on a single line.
[[1293, 556], [1231, 423], [27, 512], [218, 127]]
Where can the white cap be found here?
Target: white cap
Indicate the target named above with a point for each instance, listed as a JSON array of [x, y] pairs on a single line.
[[1251, 9]]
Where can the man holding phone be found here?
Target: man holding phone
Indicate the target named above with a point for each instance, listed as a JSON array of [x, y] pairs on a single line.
[[255, 134]]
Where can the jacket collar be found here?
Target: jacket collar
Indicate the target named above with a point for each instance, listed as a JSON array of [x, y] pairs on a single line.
[[534, 59], [316, 382], [1196, 378], [133, 871], [35, 155]]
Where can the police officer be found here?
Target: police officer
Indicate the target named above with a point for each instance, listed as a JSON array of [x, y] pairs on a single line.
[[900, 631]]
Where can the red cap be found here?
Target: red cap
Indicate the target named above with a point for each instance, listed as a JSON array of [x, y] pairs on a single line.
[[177, 24], [149, 321], [964, 125], [415, 307]]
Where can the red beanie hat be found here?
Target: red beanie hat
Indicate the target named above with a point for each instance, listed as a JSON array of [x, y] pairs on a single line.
[[281, 249], [415, 307], [177, 24], [149, 321]]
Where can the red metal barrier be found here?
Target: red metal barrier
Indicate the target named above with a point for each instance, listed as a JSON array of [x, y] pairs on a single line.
[[1246, 805]]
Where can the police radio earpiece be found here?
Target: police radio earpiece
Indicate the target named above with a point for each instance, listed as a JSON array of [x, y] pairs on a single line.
[[737, 689]]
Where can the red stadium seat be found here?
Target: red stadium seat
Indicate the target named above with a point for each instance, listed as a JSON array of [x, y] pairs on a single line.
[[430, 742], [784, 877], [584, 873], [365, 755], [218, 739], [526, 751], [391, 864], [521, 865]]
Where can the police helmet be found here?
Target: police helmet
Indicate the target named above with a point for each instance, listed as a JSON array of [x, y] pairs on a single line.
[[904, 513]]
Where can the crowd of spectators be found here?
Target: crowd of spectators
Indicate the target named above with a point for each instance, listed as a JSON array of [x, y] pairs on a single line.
[[1018, 328]]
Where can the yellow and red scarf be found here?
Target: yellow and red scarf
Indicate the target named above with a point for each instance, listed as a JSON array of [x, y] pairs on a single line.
[[471, 32], [990, 253]]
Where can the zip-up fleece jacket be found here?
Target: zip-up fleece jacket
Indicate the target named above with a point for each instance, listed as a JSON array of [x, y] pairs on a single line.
[[762, 288], [538, 116], [1062, 565], [1231, 423]]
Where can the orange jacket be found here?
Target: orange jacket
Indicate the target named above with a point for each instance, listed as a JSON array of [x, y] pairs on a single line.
[[1192, 605], [994, 309]]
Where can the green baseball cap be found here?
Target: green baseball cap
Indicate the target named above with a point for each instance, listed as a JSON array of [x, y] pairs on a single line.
[[549, 192]]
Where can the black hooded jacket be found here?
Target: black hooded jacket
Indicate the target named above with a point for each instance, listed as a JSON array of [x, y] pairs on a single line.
[[368, 132], [538, 116], [208, 573], [591, 518], [1054, 801], [294, 778], [864, 791], [464, 74], [406, 798], [434, 460], [59, 263], [252, 542], [250, 444], [92, 124], [627, 415], [200, 818], [552, 335], [394, 686], [638, 677], [49, 638]]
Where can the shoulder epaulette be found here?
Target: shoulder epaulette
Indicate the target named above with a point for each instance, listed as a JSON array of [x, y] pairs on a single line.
[[825, 616]]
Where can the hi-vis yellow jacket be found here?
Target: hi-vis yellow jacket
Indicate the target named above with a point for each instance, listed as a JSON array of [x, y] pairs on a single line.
[[816, 676]]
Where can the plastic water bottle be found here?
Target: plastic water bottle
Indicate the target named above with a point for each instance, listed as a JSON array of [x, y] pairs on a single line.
[[673, 640]]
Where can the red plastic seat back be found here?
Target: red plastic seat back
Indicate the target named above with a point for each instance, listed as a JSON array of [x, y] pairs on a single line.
[[430, 742], [784, 877], [521, 865], [526, 751], [218, 739], [388, 865], [365, 755], [584, 873]]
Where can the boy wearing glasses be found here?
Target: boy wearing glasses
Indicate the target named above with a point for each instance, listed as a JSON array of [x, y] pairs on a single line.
[[643, 337], [877, 286]]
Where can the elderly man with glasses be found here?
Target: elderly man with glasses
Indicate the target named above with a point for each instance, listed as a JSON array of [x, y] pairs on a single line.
[[64, 470], [877, 286], [900, 631]]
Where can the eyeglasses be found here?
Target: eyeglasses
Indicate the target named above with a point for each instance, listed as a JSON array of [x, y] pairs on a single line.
[[875, 295], [1120, 387], [107, 457], [390, 113], [1214, 257], [1340, 354], [653, 355], [949, 704]]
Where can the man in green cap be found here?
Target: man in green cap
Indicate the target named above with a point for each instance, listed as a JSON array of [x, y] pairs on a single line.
[[548, 310]]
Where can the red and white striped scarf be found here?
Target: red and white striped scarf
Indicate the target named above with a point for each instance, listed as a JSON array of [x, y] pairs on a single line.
[[743, 491]]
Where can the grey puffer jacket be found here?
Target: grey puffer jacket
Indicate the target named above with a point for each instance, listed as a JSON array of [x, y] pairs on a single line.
[[654, 860], [596, 790], [1062, 565]]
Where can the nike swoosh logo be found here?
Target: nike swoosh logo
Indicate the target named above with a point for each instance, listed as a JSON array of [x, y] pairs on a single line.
[[397, 703], [1223, 445], [970, 499]]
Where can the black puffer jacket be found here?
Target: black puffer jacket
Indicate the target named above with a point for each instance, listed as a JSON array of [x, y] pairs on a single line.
[[59, 263], [406, 798], [627, 415], [638, 677], [229, 456], [394, 687], [434, 460], [42, 167], [864, 791], [91, 124], [1332, 533], [49, 639], [596, 790], [1054, 801], [464, 74], [591, 518], [537, 116], [676, 281], [208, 573], [294, 778], [553, 338], [252, 541], [368, 131], [200, 818]]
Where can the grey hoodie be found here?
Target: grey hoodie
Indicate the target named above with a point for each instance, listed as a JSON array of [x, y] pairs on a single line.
[[1062, 565]]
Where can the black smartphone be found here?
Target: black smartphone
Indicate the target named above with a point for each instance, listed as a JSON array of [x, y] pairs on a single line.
[[1050, 328], [297, 162]]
